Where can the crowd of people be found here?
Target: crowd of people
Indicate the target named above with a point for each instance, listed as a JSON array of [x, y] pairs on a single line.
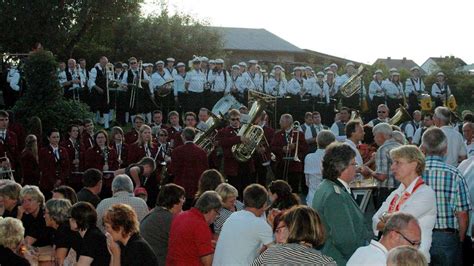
[[156, 196]]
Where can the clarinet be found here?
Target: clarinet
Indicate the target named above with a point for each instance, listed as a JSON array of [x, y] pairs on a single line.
[[105, 154], [76, 146]]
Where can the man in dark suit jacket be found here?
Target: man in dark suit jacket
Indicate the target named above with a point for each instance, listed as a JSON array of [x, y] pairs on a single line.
[[8, 142], [285, 151], [239, 174], [188, 162]]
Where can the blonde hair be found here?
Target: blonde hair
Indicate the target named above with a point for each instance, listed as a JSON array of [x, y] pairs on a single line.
[[11, 232], [140, 140], [412, 154], [226, 191], [406, 256], [34, 192], [304, 225]]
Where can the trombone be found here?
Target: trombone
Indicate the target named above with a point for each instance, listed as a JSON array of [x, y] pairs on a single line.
[[138, 85], [288, 158], [109, 70]]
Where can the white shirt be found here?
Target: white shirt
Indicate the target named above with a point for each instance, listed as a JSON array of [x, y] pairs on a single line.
[[252, 81], [382, 120], [417, 136], [295, 86], [393, 90], [410, 130], [309, 85], [373, 254], [321, 91], [335, 131], [196, 80], [15, 81], [125, 78], [178, 84], [419, 86], [470, 149], [456, 146], [421, 204], [313, 172], [307, 132], [74, 75], [220, 81], [158, 79], [358, 157], [173, 72], [275, 87], [376, 89], [436, 92], [237, 82], [242, 236], [345, 185]]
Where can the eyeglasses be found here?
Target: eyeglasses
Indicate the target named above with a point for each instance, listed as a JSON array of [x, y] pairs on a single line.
[[235, 119], [413, 243], [381, 112]]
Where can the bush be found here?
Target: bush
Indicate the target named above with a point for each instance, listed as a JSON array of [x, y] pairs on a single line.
[[43, 97]]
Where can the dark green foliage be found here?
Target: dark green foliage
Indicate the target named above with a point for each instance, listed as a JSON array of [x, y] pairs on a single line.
[[43, 97]]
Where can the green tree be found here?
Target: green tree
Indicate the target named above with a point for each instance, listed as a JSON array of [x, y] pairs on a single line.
[[43, 98], [59, 25]]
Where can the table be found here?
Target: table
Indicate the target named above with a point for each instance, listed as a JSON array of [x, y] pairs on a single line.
[[362, 190]]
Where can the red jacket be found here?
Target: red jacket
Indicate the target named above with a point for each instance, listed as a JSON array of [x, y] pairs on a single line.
[[20, 133], [95, 159], [279, 140], [30, 172], [136, 152], [69, 146], [188, 162], [131, 136], [123, 154], [87, 140], [52, 170], [174, 136], [227, 137], [10, 147]]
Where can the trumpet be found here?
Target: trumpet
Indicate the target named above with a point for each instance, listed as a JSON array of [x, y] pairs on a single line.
[[288, 158]]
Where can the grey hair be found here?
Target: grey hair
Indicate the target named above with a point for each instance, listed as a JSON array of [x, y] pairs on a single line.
[[11, 232], [287, 116], [208, 201], [399, 137], [122, 183], [406, 255], [34, 192], [443, 114], [434, 142], [324, 138], [189, 133], [58, 210], [383, 128], [226, 190], [398, 222]]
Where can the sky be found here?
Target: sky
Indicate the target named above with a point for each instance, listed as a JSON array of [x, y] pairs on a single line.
[[362, 30]]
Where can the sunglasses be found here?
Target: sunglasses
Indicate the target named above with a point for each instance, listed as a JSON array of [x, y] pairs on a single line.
[[413, 243], [381, 112]]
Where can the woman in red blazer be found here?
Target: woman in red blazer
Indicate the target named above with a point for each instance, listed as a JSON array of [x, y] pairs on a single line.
[[101, 157], [30, 173]]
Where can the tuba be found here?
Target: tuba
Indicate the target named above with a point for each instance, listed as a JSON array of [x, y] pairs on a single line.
[[353, 84], [225, 104], [243, 152], [400, 116], [206, 139]]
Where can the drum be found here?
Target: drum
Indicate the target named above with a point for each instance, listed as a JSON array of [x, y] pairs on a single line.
[[425, 102]]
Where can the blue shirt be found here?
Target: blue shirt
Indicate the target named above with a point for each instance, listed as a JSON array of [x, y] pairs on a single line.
[[451, 191]]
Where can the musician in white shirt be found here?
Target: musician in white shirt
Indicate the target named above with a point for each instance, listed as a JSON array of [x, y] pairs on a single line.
[[277, 83], [394, 91], [440, 90]]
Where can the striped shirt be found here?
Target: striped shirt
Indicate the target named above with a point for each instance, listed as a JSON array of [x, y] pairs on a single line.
[[292, 254], [225, 213], [451, 191], [383, 162]]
